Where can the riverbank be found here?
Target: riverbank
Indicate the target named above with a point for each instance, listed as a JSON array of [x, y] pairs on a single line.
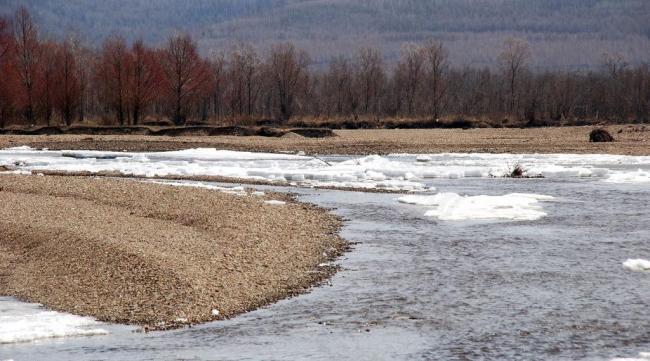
[[630, 140], [155, 255]]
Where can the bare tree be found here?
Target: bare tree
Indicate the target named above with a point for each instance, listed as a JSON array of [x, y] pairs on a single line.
[[409, 73], [185, 73], [48, 63], [244, 69], [371, 78], [436, 60], [339, 82], [614, 64], [5, 41], [28, 52], [5, 46], [112, 74], [615, 101], [218, 66], [288, 71], [68, 95], [514, 60], [144, 79], [86, 61]]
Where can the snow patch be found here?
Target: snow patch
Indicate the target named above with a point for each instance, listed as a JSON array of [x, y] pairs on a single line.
[[26, 322], [238, 190], [275, 203], [637, 265], [455, 207]]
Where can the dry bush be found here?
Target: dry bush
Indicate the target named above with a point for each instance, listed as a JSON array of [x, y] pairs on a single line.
[[600, 135]]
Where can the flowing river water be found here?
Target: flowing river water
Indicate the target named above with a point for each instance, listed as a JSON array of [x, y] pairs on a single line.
[[418, 287]]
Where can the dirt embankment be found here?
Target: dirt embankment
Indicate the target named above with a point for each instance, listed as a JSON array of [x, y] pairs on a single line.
[[156, 255], [629, 139], [174, 131]]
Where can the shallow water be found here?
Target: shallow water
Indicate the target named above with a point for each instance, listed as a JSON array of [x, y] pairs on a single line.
[[417, 288]]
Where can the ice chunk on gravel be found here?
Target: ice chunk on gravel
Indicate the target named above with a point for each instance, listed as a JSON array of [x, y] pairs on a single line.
[[26, 322]]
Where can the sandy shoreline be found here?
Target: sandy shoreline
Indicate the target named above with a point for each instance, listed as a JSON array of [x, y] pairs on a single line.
[[630, 140], [156, 255]]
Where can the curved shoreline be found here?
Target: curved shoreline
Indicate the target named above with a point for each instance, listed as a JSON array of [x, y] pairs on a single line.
[[156, 255]]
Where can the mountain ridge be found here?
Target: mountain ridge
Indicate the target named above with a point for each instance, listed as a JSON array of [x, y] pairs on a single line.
[[563, 34]]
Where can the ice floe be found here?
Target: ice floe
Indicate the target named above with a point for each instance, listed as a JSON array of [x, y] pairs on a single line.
[[639, 176], [403, 172], [643, 356], [637, 265], [26, 322], [455, 207]]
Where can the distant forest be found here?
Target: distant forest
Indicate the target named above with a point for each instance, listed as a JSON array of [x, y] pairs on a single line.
[[54, 81], [566, 34]]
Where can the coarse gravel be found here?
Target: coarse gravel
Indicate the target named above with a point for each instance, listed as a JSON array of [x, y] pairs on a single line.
[[159, 256]]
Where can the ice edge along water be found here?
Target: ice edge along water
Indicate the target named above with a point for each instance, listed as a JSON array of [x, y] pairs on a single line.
[[643, 356], [27, 322], [400, 172]]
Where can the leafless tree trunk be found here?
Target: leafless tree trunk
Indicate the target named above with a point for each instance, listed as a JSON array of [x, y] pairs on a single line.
[[436, 66], [218, 69], [28, 54], [288, 71], [410, 68], [371, 78], [513, 60], [187, 75]]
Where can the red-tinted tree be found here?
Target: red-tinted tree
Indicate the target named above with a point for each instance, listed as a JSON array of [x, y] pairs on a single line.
[[5, 39], [6, 70], [45, 92], [186, 75], [27, 56], [112, 76], [143, 81], [68, 94]]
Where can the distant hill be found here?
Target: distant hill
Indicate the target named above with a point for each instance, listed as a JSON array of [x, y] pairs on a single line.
[[563, 33]]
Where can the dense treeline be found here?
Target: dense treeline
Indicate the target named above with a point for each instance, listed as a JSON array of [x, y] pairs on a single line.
[[46, 82]]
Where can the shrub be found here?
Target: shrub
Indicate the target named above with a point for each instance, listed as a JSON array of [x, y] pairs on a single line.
[[600, 135], [517, 171]]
